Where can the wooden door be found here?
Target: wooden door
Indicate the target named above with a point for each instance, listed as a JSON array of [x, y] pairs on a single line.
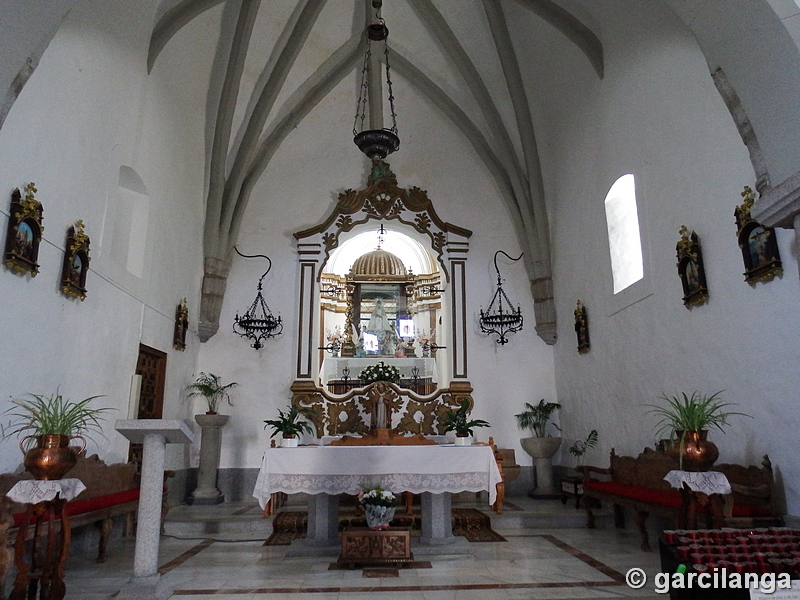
[[152, 366]]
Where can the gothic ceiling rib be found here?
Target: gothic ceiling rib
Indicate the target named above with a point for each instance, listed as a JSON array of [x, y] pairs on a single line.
[[236, 162]]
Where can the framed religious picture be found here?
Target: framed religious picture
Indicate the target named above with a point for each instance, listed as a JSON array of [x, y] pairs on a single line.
[[762, 261], [691, 269], [24, 232], [582, 328], [181, 325], [76, 262]]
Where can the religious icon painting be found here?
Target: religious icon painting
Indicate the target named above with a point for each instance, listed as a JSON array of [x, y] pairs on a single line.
[[24, 232], [181, 325], [76, 262], [582, 328], [762, 260], [691, 269]]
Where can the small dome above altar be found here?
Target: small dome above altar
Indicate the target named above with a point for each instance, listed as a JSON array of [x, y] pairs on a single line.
[[378, 262]]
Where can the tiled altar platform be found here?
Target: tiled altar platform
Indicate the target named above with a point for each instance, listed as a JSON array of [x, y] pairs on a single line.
[[220, 555]]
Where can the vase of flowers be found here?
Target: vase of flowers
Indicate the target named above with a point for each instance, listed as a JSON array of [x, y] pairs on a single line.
[[379, 372], [379, 507], [335, 340]]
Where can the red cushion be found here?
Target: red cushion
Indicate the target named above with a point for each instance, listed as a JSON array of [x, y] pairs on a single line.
[[740, 510], [664, 497], [661, 497], [83, 506]]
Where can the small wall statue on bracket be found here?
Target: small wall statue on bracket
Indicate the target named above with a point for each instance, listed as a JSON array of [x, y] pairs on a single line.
[[691, 269], [582, 328], [762, 260], [181, 325], [76, 262], [24, 232]]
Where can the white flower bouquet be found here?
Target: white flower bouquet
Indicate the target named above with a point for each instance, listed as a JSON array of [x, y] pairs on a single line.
[[377, 496], [379, 372]]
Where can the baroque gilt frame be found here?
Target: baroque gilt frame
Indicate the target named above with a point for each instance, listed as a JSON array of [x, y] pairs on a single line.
[[381, 200], [76, 262], [691, 269], [24, 232], [760, 254]]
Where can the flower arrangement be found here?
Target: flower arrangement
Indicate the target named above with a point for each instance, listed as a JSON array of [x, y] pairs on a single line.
[[379, 372], [336, 336], [427, 339], [377, 496]]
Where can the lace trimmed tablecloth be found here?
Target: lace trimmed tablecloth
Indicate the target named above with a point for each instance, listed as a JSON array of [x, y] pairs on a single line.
[[348, 470], [706, 482], [33, 491]]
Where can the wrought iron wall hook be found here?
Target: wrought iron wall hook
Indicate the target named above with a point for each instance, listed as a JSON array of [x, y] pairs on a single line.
[[501, 321], [269, 268], [258, 322]]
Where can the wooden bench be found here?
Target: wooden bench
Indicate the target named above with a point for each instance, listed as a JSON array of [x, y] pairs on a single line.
[[638, 483], [111, 491]]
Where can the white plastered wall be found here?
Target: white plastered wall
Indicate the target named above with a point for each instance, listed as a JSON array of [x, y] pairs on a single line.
[[88, 110], [657, 115]]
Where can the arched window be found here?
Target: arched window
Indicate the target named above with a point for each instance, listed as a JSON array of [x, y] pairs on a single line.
[[624, 240]]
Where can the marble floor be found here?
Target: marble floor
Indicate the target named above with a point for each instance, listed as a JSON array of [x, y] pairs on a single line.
[[563, 561]]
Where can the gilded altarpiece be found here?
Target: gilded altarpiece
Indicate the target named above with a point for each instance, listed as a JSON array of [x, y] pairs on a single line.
[[407, 410]]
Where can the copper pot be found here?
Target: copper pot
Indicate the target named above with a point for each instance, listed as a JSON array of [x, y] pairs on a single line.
[[52, 457], [698, 453]]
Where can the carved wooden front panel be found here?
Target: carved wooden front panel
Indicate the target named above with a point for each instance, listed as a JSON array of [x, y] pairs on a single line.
[[363, 547]]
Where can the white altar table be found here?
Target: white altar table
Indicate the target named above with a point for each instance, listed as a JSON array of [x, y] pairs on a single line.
[[325, 471]]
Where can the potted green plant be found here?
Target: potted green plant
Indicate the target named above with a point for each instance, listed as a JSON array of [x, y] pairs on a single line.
[[540, 447], [209, 387], [457, 421], [52, 421], [290, 425], [687, 419], [580, 447]]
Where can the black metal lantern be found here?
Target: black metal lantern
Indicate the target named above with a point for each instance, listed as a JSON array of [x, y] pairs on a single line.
[[377, 144], [500, 319], [257, 323]]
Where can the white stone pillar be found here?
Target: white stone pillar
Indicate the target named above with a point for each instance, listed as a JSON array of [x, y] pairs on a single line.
[[154, 434]]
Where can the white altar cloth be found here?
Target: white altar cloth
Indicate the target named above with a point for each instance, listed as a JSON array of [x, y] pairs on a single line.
[[349, 469]]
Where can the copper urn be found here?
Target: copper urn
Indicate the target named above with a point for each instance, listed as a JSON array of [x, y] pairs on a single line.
[[693, 450], [52, 457]]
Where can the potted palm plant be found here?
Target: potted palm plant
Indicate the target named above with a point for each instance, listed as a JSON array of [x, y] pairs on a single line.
[[457, 421], [540, 447], [209, 387], [580, 447], [290, 425], [52, 421], [687, 419]]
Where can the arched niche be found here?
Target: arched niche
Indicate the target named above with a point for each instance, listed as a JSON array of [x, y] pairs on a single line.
[[411, 212]]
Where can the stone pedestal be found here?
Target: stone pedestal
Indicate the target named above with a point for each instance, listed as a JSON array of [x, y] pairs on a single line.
[[541, 450], [436, 515], [210, 445], [154, 434]]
